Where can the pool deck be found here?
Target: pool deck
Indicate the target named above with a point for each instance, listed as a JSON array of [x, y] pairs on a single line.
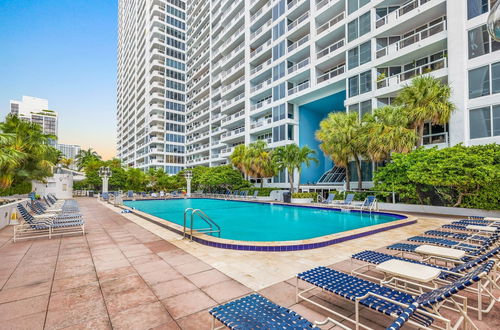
[[127, 273]]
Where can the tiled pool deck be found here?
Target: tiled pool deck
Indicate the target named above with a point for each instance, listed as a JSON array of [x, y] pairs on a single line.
[[127, 273]]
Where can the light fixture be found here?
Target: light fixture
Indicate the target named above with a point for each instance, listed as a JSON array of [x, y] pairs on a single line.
[[493, 22]]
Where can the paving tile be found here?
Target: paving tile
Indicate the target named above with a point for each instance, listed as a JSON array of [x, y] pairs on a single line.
[[281, 293], [171, 325], [20, 308], [173, 288], [160, 246], [193, 267], [200, 320], [111, 274], [161, 276], [147, 258], [26, 322], [141, 317], [153, 266], [207, 278], [74, 282], [126, 299], [225, 291], [23, 292], [123, 284], [188, 303]]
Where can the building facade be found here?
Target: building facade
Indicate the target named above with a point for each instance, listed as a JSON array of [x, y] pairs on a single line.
[[37, 111], [68, 150], [151, 84], [273, 69]]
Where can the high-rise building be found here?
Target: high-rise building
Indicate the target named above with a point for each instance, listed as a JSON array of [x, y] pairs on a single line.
[[273, 69], [151, 84], [68, 150], [37, 111]]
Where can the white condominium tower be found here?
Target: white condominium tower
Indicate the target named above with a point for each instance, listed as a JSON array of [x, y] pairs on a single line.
[[273, 69], [151, 84], [36, 110]]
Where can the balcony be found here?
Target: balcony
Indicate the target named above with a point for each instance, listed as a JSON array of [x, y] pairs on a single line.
[[409, 74], [298, 66], [299, 88], [233, 117], [331, 74], [404, 9], [331, 48], [261, 104], [260, 123], [298, 43], [233, 133], [412, 39], [260, 48], [260, 67], [299, 20], [331, 23]]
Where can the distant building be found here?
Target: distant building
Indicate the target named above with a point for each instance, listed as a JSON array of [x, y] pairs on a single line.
[[68, 150], [36, 110]]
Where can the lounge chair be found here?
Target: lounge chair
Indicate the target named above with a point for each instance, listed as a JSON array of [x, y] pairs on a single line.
[[473, 228], [256, 312], [369, 204], [390, 301], [48, 217], [463, 236], [447, 273], [346, 202], [478, 222], [255, 194], [235, 194], [329, 200], [415, 248], [447, 243]]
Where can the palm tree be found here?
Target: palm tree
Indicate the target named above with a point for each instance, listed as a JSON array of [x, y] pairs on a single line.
[[238, 158], [85, 156], [426, 99], [342, 136], [26, 153], [291, 157], [258, 162], [387, 132], [66, 162]]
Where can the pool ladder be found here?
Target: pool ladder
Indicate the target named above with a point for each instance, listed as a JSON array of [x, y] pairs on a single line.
[[203, 216]]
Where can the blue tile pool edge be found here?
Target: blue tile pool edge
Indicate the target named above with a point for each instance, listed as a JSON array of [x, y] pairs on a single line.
[[279, 248]]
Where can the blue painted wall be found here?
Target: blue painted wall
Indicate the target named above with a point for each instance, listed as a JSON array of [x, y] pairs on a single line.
[[310, 115]]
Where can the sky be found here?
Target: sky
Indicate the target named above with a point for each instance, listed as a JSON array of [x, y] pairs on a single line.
[[63, 51]]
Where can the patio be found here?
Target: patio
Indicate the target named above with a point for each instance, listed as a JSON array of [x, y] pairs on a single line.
[[121, 275]]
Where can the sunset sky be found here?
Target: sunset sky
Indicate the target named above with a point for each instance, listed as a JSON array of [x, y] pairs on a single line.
[[63, 51]]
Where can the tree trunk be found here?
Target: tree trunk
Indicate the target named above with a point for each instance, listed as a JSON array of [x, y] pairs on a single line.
[[420, 133], [347, 178], [290, 178], [261, 183], [298, 182], [358, 170], [459, 200]]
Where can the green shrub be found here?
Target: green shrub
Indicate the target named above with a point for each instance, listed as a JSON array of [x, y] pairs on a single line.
[[263, 192], [17, 189], [312, 195]]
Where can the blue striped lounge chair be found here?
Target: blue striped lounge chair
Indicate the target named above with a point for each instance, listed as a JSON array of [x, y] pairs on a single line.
[[235, 194], [255, 194], [390, 301], [448, 273], [369, 204], [464, 227], [463, 236], [256, 312], [477, 222], [448, 243], [51, 218], [62, 211], [411, 248]]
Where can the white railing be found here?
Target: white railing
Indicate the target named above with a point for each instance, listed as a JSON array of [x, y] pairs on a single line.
[[331, 23], [331, 48], [298, 43], [259, 30], [331, 74], [409, 74], [261, 66], [298, 88], [412, 39], [298, 66], [261, 85], [299, 20], [260, 104], [404, 9], [260, 48], [260, 123]]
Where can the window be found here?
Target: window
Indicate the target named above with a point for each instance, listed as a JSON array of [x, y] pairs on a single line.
[[281, 177], [279, 112], [480, 42], [354, 5], [279, 71], [480, 123], [290, 132], [279, 133], [478, 7], [365, 82], [353, 86], [279, 50], [479, 82], [358, 27], [434, 134], [279, 92], [359, 55], [278, 30], [366, 108], [278, 10]]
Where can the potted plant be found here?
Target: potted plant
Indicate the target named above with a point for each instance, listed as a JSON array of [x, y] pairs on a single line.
[[304, 197]]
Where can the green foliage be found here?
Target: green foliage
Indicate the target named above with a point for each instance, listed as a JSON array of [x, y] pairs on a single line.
[[17, 189], [254, 161], [292, 157], [220, 178], [312, 195], [263, 192], [455, 176], [25, 153]]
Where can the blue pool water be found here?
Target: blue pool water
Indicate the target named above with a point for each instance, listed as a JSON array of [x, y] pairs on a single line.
[[262, 222]]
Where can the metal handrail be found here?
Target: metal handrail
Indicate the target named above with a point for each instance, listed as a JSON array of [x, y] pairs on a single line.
[[205, 218]]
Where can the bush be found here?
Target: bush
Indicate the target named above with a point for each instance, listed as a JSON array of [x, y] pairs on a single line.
[[17, 189], [312, 195], [263, 192]]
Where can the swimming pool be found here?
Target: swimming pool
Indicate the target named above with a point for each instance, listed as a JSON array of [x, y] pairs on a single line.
[[263, 222]]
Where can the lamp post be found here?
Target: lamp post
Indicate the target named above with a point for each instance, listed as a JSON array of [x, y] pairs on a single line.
[[104, 173], [493, 22], [189, 176]]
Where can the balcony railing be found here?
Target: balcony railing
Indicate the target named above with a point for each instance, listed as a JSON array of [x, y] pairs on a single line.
[[412, 39], [331, 74], [261, 85], [298, 66], [298, 43], [404, 9], [331, 48], [299, 20], [409, 74], [298, 88], [331, 23]]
